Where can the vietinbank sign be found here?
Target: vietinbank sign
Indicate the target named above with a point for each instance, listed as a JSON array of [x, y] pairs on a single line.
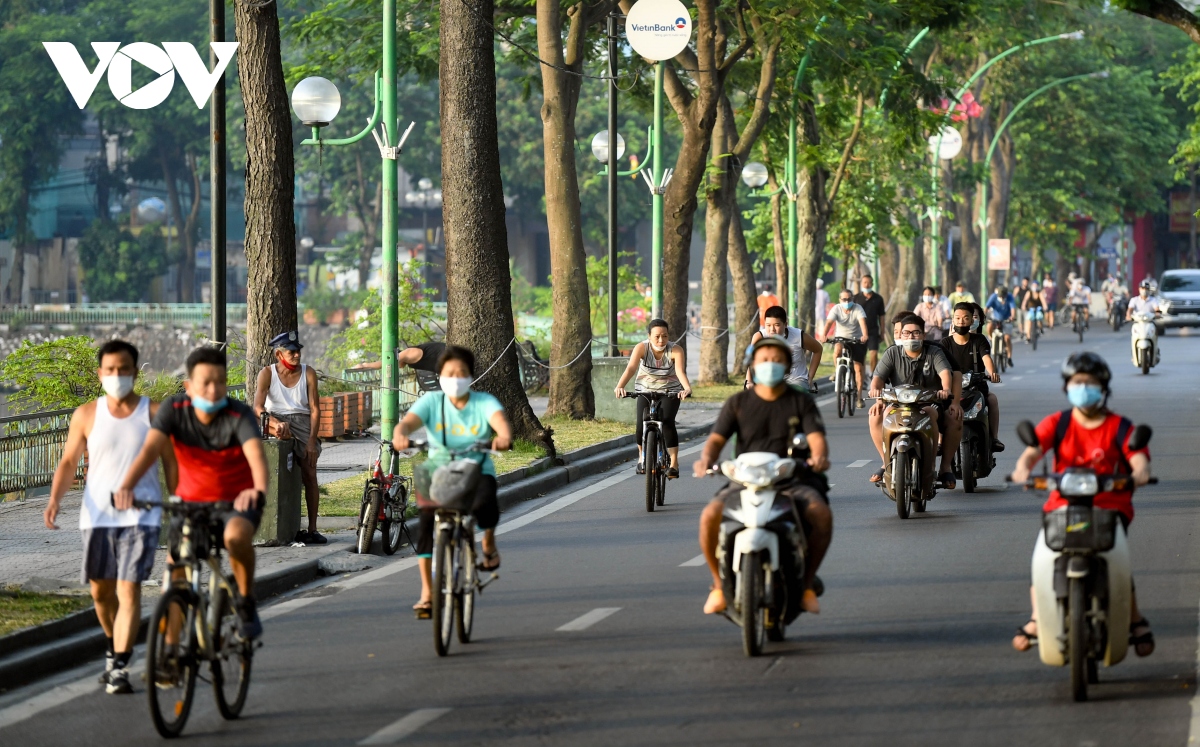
[[658, 29], [117, 60]]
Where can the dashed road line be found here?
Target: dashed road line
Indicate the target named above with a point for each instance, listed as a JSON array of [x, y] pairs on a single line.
[[583, 622], [859, 463], [406, 726], [694, 562]]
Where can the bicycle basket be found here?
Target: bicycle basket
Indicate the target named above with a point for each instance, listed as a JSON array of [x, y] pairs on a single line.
[[451, 486]]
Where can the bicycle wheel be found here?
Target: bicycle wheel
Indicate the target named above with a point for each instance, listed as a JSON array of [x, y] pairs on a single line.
[[852, 391], [231, 667], [650, 459], [443, 591], [842, 395], [464, 597], [171, 669], [1033, 335], [368, 517], [393, 529]]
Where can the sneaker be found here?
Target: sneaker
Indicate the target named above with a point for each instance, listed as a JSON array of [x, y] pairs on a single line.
[[641, 468], [997, 447], [251, 626], [302, 537], [118, 682], [860, 403], [316, 538], [110, 663]]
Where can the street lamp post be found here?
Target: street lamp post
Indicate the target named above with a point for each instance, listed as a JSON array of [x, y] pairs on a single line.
[[987, 164], [316, 101], [934, 210], [605, 154]]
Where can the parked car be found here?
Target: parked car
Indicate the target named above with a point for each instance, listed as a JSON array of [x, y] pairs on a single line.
[[1179, 293]]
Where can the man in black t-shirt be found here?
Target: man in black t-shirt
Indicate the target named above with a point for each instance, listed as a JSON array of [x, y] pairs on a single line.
[[874, 309], [423, 360], [765, 418], [973, 354]]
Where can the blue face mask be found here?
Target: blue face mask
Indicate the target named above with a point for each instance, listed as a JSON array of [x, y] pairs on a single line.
[[769, 373], [1084, 396], [208, 406], [847, 304]]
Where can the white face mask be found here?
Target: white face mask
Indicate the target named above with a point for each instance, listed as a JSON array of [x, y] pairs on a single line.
[[658, 348], [117, 386], [455, 387], [927, 298]]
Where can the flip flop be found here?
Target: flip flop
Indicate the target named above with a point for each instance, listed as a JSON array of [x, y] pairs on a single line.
[[948, 480], [877, 476], [488, 557], [1145, 639], [1030, 638], [423, 610]]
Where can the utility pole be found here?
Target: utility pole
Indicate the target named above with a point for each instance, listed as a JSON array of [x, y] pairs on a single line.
[[216, 186], [614, 349]]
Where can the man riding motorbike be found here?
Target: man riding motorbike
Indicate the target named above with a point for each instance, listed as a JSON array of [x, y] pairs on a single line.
[[970, 350], [1087, 435], [1144, 303], [765, 418], [915, 363]]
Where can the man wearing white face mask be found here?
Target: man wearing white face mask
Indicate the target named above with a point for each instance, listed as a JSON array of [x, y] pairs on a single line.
[[118, 546]]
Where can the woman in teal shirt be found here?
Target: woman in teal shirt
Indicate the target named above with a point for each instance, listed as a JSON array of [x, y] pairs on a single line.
[[455, 418]]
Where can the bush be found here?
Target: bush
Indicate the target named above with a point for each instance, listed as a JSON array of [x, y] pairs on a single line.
[[118, 266], [362, 340], [53, 375]]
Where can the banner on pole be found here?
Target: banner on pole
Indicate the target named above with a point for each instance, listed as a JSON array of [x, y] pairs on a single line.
[[999, 254]]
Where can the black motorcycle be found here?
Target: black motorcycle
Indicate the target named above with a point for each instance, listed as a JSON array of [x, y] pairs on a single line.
[[974, 460]]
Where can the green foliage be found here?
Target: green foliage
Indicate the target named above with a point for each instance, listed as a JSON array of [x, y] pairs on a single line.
[[118, 266], [528, 298], [633, 308], [161, 385], [53, 375], [324, 301], [362, 341]]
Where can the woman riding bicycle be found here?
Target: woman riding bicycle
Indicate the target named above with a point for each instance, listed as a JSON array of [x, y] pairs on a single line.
[[659, 366], [1034, 308], [455, 418]]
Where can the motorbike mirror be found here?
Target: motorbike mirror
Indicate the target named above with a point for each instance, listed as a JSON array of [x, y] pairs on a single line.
[[1026, 433], [799, 441], [1141, 437]]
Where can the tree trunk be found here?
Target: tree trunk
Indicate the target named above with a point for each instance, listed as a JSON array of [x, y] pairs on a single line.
[[745, 302], [16, 279], [571, 330], [886, 282], [679, 212], [187, 262], [270, 180], [813, 226], [714, 310], [909, 278], [478, 283]]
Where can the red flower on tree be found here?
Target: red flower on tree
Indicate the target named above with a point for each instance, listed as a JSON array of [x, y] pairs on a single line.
[[966, 109]]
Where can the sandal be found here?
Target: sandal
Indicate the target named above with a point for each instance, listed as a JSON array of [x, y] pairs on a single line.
[[1145, 639], [672, 473], [715, 602], [948, 480], [641, 468], [488, 557], [877, 476], [1030, 638], [423, 610]]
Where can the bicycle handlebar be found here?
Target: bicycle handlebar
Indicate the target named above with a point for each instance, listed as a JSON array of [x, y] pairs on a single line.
[[651, 395], [176, 505]]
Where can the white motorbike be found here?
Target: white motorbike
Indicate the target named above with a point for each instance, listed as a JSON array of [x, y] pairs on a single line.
[[761, 546], [1144, 341], [1081, 573]]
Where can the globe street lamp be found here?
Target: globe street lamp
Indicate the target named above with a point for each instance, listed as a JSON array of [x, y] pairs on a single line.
[[605, 155], [754, 174], [316, 102]]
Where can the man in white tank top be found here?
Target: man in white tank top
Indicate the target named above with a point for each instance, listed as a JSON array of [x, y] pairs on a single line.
[[118, 546], [287, 392]]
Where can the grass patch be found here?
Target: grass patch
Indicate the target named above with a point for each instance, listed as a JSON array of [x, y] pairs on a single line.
[[23, 609], [344, 497]]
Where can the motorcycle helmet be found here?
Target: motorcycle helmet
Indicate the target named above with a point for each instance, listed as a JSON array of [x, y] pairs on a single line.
[[1086, 362], [1147, 285]]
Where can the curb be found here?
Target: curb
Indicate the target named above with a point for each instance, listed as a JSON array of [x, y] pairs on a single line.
[[52, 647]]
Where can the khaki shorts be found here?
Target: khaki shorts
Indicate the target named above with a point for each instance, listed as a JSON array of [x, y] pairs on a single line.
[[301, 425]]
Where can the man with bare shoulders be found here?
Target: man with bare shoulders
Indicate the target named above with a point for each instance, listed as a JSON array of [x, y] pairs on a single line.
[[118, 546]]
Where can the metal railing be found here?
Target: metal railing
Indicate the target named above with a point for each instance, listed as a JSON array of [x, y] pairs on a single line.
[[118, 313]]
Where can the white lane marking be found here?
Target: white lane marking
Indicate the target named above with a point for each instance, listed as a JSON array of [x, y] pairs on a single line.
[[406, 726], [1015, 378], [583, 622], [49, 699], [859, 463], [694, 562]]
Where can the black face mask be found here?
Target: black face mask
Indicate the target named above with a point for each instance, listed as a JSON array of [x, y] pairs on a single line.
[[964, 330]]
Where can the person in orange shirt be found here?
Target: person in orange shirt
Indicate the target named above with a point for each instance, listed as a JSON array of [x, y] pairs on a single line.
[[766, 300]]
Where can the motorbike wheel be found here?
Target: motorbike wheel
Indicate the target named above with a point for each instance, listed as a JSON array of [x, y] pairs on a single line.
[[914, 484], [842, 394], [650, 459], [900, 487], [368, 517], [750, 602], [967, 461], [1092, 673], [1077, 640], [1145, 358]]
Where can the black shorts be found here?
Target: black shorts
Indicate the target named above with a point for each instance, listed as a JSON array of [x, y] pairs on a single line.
[[801, 495], [858, 351], [873, 341], [220, 519], [486, 511]]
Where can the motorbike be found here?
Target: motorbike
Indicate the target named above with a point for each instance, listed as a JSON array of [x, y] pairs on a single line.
[[1081, 572], [1116, 311], [761, 546], [912, 448], [1144, 341], [974, 460]]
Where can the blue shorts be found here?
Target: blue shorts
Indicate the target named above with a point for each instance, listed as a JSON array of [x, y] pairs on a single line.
[[1034, 314], [120, 553]]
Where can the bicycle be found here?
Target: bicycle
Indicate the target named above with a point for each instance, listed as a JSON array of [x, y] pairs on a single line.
[[654, 453], [999, 351], [455, 570], [1079, 318], [1035, 326], [204, 618], [845, 382], [384, 504]]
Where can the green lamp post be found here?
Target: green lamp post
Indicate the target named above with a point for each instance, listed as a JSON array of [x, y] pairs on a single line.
[[934, 210], [987, 165], [316, 102]]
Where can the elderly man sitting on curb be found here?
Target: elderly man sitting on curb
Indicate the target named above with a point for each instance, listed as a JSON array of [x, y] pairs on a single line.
[[287, 392]]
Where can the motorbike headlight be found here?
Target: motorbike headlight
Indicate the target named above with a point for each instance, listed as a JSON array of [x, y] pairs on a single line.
[[975, 408], [754, 474], [907, 395], [1079, 483], [967, 379], [728, 469]]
